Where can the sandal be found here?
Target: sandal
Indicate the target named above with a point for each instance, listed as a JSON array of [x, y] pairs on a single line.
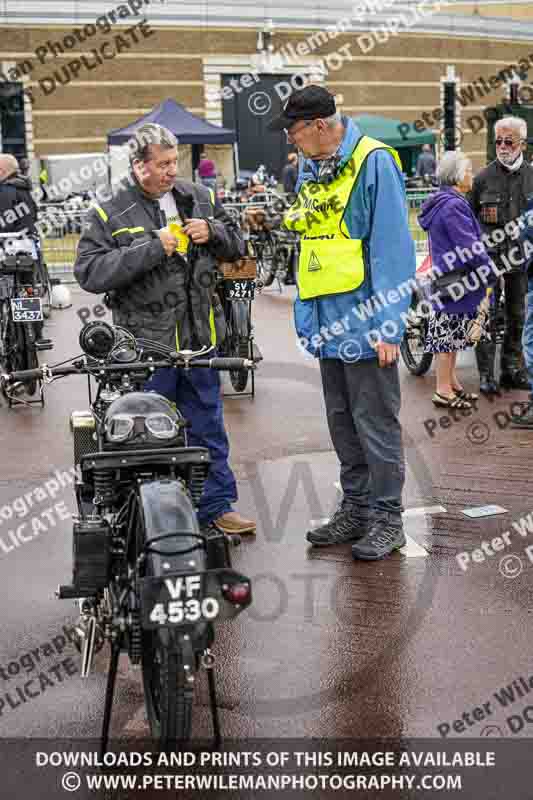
[[441, 401], [468, 396]]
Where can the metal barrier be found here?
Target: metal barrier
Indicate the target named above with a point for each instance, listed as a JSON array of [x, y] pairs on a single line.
[[61, 225], [415, 199]]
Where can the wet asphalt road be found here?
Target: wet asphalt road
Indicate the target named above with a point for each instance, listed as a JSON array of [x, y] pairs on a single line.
[[330, 648]]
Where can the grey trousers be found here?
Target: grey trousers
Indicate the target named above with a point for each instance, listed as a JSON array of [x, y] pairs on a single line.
[[363, 406]]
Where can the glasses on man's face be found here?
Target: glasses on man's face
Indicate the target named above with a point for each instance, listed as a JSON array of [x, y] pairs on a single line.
[[293, 133], [507, 142]]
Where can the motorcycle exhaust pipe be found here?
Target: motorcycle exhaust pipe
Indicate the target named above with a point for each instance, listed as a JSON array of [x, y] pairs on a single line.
[[86, 628]]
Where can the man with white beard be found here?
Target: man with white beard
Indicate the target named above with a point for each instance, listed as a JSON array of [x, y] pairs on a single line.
[[500, 194]]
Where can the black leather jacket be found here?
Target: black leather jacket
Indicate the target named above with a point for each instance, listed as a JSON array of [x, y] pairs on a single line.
[[18, 211], [498, 198], [153, 295]]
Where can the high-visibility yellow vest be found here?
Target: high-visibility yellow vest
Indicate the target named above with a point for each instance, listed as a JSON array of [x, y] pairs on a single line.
[[330, 261]]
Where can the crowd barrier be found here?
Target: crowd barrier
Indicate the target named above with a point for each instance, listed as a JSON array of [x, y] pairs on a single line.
[[61, 225]]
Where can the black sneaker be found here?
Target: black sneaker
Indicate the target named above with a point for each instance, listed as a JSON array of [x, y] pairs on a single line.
[[348, 523], [525, 418], [385, 535], [514, 380]]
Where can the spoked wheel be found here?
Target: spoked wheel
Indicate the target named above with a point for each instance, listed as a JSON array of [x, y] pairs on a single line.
[[266, 267], [414, 340], [45, 291], [279, 265], [239, 377], [18, 350], [168, 695]]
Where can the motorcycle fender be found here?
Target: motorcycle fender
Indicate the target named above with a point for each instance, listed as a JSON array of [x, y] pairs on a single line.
[[166, 508], [241, 317]]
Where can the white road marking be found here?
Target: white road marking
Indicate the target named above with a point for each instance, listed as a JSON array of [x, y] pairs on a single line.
[[412, 549], [420, 512]]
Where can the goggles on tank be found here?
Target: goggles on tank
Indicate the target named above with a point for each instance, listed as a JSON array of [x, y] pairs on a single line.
[[122, 427]]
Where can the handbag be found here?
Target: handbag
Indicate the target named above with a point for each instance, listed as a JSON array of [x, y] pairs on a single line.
[[440, 284], [478, 325]]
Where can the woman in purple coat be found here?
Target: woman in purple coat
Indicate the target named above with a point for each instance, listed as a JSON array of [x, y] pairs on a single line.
[[455, 246]]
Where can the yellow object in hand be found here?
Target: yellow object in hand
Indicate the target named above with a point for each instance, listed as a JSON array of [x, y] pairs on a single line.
[[183, 240]]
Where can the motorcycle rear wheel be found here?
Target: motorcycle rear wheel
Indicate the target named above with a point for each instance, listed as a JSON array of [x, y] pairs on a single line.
[[168, 695]]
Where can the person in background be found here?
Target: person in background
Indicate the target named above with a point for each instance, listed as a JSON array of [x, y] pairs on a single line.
[[499, 196], [524, 419], [450, 223], [43, 182], [289, 174], [426, 164], [18, 211], [207, 171], [24, 166]]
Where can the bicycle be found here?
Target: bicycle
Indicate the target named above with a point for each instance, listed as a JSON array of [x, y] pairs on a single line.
[[148, 579]]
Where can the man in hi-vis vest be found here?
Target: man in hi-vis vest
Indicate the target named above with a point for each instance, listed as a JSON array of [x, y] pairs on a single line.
[[355, 277]]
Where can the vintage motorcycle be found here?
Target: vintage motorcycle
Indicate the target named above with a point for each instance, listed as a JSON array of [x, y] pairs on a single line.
[[148, 579]]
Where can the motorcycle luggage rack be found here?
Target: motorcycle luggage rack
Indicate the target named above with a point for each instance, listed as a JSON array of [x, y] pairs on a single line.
[[148, 549], [135, 458]]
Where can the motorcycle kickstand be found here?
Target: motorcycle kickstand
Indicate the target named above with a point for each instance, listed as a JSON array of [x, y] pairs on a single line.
[[209, 663], [110, 688]]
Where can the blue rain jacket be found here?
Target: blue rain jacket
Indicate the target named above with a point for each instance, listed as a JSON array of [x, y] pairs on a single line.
[[345, 325]]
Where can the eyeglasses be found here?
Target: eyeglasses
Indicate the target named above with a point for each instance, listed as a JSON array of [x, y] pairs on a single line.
[[507, 142], [306, 124]]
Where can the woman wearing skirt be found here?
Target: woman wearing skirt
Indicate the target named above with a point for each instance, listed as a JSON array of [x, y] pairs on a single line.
[[454, 231]]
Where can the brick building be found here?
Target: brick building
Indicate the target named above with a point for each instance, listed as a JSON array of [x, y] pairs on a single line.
[[198, 54]]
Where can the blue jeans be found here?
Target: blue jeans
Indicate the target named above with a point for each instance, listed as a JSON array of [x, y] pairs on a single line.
[[527, 334], [197, 395]]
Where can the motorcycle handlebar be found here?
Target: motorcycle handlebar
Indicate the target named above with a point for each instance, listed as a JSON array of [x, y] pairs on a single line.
[[214, 363]]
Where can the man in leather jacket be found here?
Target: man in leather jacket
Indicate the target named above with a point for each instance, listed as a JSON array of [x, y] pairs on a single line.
[[499, 197], [162, 287]]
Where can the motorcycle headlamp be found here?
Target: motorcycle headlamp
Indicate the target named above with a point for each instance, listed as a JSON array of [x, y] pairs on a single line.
[[123, 427]]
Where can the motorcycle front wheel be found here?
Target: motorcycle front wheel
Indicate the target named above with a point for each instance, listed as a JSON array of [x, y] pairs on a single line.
[[412, 345]]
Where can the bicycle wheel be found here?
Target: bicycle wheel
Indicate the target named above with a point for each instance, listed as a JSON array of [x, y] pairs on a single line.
[[413, 342]]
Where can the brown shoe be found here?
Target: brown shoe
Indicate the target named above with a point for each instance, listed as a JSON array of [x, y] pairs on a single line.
[[232, 522]]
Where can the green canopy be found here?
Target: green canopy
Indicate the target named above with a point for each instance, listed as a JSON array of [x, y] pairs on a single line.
[[388, 131]]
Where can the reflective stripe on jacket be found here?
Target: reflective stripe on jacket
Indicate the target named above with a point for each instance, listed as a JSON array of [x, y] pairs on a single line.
[[152, 295]]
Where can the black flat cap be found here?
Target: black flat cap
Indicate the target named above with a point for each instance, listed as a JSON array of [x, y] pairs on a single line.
[[311, 102]]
